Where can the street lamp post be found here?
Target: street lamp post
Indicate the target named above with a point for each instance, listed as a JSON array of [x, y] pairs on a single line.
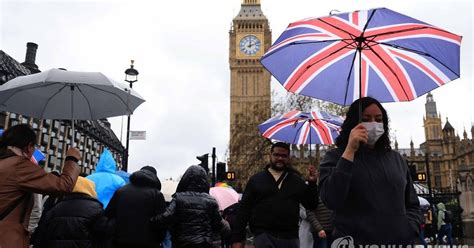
[[131, 76]]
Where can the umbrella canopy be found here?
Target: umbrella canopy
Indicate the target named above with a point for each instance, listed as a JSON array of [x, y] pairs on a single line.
[[60, 94], [300, 128], [221, 184], [423, 202], [422, 189], [168, 188], [376, 52], [224, 196]]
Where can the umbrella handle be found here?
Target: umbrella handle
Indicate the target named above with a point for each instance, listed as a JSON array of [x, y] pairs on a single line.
[[72, 133], [72, 116]]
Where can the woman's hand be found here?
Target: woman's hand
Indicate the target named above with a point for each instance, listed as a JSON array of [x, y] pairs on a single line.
[[74, 152], [358, 135]]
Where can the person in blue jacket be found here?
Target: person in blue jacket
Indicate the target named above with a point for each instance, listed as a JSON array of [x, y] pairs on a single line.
[[367, 184], [105, 179]]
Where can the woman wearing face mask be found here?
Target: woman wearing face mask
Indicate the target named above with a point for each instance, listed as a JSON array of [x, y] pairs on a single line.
[[367, 184], [20, 178]]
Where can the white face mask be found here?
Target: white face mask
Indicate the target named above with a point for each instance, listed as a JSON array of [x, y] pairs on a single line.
[[375, 130]]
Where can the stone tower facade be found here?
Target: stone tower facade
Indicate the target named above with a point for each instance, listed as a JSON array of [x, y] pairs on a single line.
[[250, 94], [432, 120]]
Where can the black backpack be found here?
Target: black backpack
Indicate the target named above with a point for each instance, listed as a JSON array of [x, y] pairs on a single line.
[[448, 216]]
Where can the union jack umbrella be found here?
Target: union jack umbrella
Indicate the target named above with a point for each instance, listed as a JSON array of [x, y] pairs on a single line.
[[302, 128], [376, 52]]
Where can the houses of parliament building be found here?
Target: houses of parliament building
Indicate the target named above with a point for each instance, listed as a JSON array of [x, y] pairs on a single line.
[[450, 156]]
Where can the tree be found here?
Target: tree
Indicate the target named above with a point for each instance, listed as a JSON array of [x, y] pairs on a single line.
[[248, 150]]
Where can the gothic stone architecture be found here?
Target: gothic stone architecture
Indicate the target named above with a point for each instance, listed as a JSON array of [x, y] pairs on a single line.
[[447, 152], [450, 158]]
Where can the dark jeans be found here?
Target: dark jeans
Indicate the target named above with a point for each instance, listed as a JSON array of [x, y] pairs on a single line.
[[265, 240], [322, 242], [422, 238], [446, 230]]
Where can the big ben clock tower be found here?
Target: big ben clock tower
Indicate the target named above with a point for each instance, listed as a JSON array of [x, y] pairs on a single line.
[[250, 37]]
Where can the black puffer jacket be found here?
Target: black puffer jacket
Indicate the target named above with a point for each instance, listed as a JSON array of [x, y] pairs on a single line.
[[132, 206], [76, 221], [193, 214]]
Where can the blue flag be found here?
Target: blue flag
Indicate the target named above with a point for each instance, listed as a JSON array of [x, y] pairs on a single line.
[[37, 156]]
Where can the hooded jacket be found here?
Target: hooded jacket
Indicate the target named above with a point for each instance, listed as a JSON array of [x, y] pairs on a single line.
[[105, 179], [320, 219], [193, 215], [372, 197], [20, 177], [441, 213], [76, 221], [132, 206]]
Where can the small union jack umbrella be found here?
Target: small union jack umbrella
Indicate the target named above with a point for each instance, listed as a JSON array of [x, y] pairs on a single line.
[[302, 128], [377, 52]]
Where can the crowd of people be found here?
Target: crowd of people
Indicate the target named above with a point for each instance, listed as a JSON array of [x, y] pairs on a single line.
[[363, 190]]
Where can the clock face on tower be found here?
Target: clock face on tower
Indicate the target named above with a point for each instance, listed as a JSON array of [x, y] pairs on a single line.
[[249, 45]]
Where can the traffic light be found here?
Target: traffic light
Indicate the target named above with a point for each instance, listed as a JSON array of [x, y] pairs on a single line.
[[220, 173], [204, 161]]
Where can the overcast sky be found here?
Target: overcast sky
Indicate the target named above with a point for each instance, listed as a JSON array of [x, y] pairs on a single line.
[[180, 49]]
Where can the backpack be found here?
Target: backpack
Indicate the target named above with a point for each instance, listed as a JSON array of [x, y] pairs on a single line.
[[448, 216]]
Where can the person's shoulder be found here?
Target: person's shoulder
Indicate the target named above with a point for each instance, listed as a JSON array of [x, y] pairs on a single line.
[[257, 175], [206, 196], [293, 172], [127, 188], [394, 155], [191, 196], [336, 151], [24, 168], [21, 162], [332, 155], [185, 194], [210, 201], [296, 176], [83, 203], [90, 201]]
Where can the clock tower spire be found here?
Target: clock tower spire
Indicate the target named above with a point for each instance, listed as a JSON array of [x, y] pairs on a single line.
[[249, 38]]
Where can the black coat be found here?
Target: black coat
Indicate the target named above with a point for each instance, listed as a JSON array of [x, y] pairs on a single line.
[[76, 221], [274, 210], [132, 206], [373, 197], [193, 215]]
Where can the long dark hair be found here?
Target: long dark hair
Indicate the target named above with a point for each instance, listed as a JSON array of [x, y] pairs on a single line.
[[20, 136], [352, 120]]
